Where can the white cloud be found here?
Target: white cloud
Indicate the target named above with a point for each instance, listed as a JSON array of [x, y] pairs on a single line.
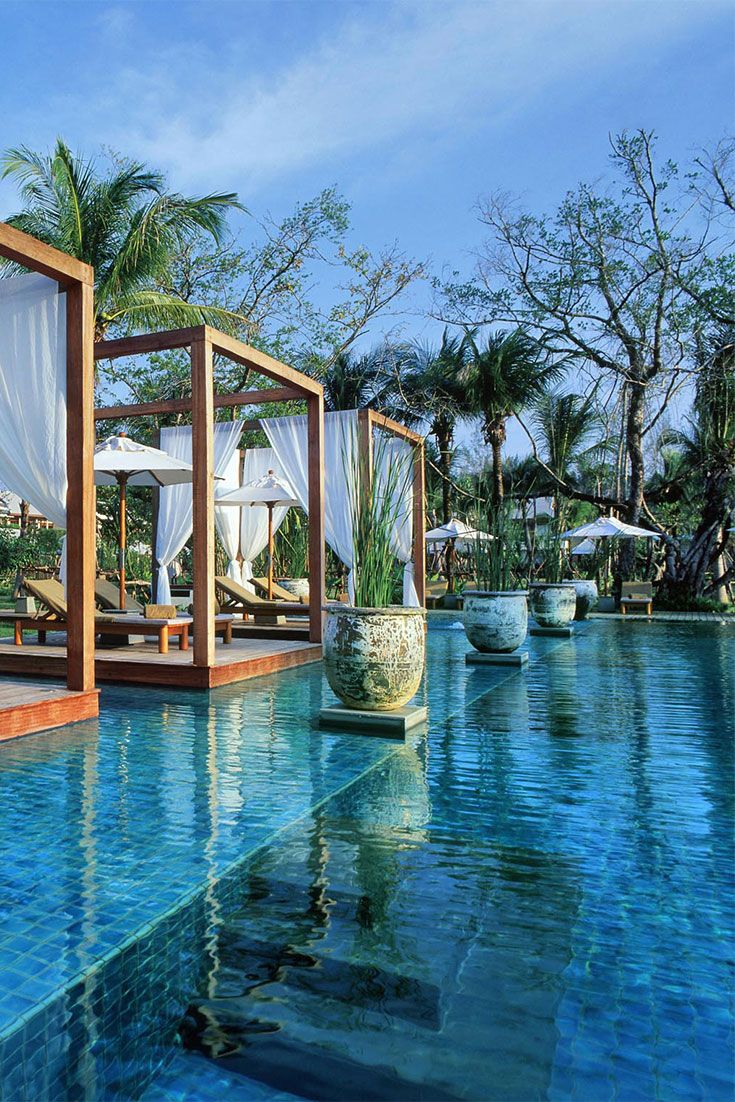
[[385, 81]]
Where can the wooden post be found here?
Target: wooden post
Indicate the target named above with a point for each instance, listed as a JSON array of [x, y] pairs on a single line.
[[202, 431], [155, 508], [80, 494], [419, 528], [317, 594], [123, 539]]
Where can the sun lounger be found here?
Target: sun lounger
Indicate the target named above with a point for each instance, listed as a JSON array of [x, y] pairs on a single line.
[[279, 593], [107, 595], [50, 593], [234, 597], [636, 595]]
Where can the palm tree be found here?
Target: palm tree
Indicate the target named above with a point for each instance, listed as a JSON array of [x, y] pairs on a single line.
[[356, 382], [564, 424], [125, 224], [427, 389], [500, 380]]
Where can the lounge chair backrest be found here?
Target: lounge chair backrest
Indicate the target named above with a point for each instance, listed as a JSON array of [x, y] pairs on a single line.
[[108, 596], [50, 593], [637, 591], [279, 593], [239, 593]]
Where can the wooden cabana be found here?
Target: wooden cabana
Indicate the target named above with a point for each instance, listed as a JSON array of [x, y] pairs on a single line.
[[203, 343], [25, 706]]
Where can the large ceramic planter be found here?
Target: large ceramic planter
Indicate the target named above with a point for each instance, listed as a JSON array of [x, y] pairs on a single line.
[[553, 604], [373, 657], [587, 597], [298, 586], [495, 623]]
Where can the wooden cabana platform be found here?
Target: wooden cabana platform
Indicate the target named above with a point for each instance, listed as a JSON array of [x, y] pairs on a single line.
[[28, 706], [140, 663]]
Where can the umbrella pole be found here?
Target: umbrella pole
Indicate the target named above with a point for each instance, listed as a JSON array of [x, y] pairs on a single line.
[[270, 551], [123, 538]]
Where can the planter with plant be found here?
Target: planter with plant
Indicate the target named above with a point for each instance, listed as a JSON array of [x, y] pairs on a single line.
[[374, 650], [496, 614], [553, 601]]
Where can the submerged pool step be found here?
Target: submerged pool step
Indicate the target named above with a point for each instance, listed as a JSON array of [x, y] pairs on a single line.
[[285, 1064]]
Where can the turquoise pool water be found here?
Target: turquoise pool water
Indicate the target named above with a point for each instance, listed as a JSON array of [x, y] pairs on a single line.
[[206, 897]]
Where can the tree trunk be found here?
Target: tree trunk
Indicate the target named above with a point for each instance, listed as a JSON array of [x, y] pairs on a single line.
[[444, 444], [636, 485], [25, 516], [495, 436]]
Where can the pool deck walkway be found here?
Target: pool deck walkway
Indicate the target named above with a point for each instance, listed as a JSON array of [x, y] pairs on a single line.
[[140, 663], [29, 705]]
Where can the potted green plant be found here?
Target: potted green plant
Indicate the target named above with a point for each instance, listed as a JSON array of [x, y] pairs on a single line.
[[553, 601], [374, 650], [495, 613]]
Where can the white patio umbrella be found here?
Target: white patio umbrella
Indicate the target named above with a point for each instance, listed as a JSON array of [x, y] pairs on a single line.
[[453, 530], [120, 461], [586, 547], [610, 527], [269, 490]]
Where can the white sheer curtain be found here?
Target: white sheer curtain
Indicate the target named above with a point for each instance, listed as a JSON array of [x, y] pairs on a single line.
[[254, 519], [175, 502], [228, 519], [396, 456], [288, 438], [33, 393]]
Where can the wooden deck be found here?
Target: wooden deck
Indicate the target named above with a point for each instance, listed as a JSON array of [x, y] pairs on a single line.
[[142, 664], [27, 706]]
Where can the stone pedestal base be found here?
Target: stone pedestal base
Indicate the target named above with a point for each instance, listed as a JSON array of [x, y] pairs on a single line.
[[388, 724], [554, 633], [477, 658]]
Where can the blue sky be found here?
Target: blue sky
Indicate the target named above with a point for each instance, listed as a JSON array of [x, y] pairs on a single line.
[[412, 109]]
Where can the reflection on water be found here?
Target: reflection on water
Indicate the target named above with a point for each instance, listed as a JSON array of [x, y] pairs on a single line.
[[532, 901]]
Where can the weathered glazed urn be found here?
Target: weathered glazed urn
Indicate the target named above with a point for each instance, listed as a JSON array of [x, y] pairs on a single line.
[[373, 657], [495, 622], [587, 597], [298, 586], [553, 604]]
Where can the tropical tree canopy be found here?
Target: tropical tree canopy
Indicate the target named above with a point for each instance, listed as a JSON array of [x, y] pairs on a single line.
[[125, 224]]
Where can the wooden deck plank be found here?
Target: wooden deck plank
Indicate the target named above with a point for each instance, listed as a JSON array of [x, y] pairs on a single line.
[[141, 663]]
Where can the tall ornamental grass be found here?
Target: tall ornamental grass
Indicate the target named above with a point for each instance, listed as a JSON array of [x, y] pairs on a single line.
[[379, 499]]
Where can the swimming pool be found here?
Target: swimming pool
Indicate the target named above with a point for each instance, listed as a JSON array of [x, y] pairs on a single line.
[[205, 895]]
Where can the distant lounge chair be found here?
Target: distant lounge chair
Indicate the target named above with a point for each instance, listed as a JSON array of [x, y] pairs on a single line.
[[234, 597], [107, 595], [636, 595], [435, 592], [279, 593]]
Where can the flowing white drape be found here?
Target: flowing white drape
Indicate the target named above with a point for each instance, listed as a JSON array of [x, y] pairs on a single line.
[[175, 502], [396, 456], [228, 519], [33, 393], [288, 437], [254, 518]]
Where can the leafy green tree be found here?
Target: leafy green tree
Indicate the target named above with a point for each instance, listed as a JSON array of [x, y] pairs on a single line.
[[123, 222], [612, 278], [705, 473], [503, 377]]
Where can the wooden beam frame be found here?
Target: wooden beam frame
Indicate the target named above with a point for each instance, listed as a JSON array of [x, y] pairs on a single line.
[[204, 342], [77, 280], [367, 421]]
